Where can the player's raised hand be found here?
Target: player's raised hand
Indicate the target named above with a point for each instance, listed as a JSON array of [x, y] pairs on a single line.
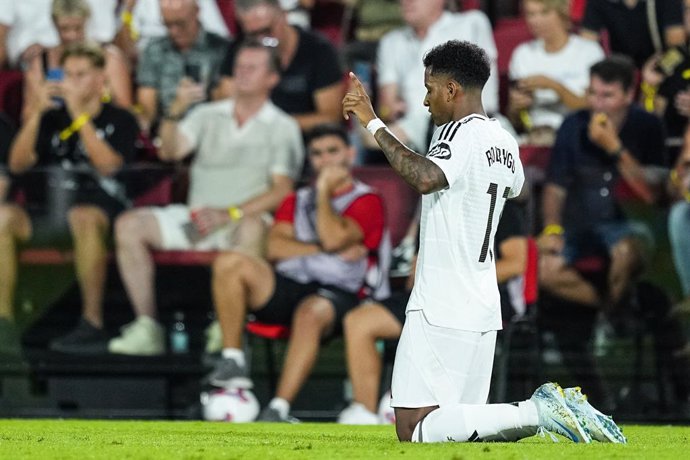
[[356, 102]]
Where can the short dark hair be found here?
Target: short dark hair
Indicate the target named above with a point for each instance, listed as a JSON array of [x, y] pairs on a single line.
[[463, 61], [246, 5], [91, 51], [326, 129], [262, 44], [616, 68]]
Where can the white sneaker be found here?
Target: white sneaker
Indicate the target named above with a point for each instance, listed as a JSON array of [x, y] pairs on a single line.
[[555, 415], [142, 337], [386, 412], [599, 426], [214, 338], [401, 257], [357, 414]]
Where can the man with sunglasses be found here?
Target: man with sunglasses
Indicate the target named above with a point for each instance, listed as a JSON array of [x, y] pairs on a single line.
[[311, 83]]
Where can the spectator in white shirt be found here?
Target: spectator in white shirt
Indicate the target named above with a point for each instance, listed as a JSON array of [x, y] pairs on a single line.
[[545, 83], [24, 23], [400, 69]]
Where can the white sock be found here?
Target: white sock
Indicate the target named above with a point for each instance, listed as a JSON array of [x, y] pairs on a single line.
[[478, 422], [235, 354], [281, 405]]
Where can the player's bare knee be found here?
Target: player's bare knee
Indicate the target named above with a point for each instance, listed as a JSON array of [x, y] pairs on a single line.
[[315, 313], [548, 277], [355, 323], [350, 323], [86, 219], [7, 217], [128, 229], [229, 264], [630, 254], [254, 225]]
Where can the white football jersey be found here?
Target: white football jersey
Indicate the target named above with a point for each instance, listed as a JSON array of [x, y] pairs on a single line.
[[455, 282]]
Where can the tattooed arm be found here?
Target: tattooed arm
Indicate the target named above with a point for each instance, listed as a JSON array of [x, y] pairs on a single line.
[[422, 174]]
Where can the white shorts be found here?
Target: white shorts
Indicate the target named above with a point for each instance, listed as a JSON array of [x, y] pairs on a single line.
[[172, 221], [435, 365]]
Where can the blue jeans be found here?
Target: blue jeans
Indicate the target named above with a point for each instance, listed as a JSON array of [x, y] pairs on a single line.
[[679, 236], [599, 238]]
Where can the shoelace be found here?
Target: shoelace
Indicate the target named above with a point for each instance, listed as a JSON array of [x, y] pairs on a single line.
[[542, 432]]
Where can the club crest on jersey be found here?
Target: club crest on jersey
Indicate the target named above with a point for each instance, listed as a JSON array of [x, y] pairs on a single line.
[[441, 151]]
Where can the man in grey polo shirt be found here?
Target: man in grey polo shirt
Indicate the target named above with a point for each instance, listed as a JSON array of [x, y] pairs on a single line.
[[183, 64], [248, 155]]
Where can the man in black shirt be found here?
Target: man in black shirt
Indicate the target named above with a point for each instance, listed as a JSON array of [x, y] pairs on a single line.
[[636, 28], [311, 80], [597, 150], [79, 143]]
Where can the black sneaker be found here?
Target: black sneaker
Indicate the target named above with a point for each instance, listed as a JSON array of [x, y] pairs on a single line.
[[10, 347], [227, 374], [85, 339]]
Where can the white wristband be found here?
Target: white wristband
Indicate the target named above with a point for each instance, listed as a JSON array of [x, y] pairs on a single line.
[[374, 125]]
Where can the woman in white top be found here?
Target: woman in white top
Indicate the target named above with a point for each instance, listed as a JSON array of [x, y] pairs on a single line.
[[549, 75]]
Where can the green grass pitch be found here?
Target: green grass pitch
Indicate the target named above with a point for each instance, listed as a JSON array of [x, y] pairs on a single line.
[[85, 439]]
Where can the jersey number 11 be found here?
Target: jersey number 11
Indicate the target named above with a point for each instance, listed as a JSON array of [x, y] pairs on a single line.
[[493, 191]]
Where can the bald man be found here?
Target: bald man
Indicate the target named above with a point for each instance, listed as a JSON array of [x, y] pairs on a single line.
[[180, 65]]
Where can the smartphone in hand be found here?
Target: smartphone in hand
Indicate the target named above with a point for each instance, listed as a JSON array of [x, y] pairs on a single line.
[[192, 233], [192, 71], [55, 75]]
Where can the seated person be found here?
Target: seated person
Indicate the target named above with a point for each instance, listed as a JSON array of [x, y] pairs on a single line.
[[665, 91], [311, 80], [373, 321], [613, 141], [248, 156], [141, 22], [634, 29], [182, 64], [70, 18], [26, 27], [320, 245], [80, 147], [596, 149], [400, 71], [546, 86]]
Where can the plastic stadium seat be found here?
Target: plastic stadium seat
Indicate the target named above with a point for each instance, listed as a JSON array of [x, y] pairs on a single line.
[[577, 10], [227, 10], [11, 91], [399, 199], [508, 33]]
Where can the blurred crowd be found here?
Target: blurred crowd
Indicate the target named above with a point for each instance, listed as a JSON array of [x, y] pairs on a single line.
[[247, 94]]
